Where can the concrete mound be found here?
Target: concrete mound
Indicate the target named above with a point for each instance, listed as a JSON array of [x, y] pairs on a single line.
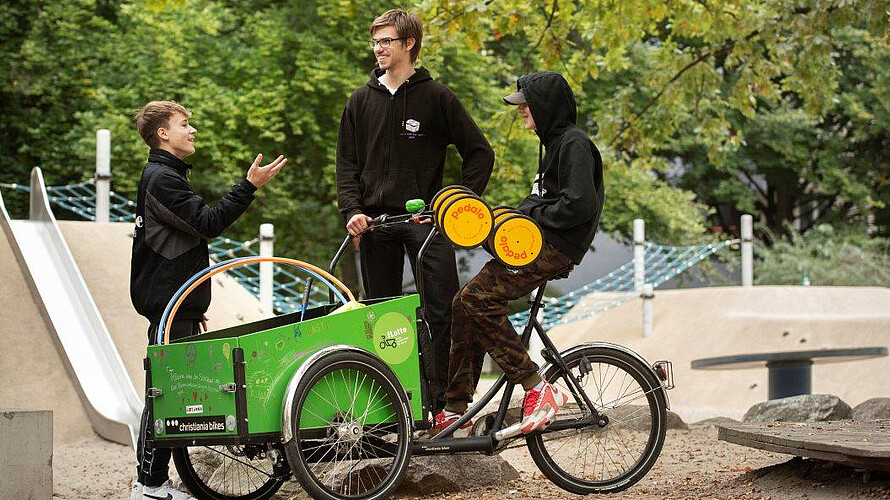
[[721, 321], [32, 372]]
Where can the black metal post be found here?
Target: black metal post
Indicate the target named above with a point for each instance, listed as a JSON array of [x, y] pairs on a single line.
[[790, 378]]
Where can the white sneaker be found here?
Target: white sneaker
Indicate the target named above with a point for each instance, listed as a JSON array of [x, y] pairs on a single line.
[[165, 491], [136, 491]]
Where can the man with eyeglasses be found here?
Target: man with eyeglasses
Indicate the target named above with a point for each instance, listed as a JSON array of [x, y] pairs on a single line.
[[394, 133]]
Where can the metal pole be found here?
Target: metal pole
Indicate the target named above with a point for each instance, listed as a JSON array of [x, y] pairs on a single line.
[[639, 254], [647, 296], [103, 174], [267, 242], [747, 250]]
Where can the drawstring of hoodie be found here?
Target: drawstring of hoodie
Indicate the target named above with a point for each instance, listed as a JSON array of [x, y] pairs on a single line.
[[540, 164]]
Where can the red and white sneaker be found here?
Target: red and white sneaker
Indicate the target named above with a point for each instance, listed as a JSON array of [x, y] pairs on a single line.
[[540, 407], [443, 420]]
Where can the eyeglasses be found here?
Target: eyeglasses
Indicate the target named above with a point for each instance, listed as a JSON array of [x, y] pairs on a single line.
[[385, 42]]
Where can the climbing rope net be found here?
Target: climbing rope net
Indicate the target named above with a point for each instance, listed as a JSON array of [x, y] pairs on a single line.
[[287, 287], [662, 263]]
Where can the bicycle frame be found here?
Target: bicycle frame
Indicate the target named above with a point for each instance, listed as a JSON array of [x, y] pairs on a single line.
[[443, 442]]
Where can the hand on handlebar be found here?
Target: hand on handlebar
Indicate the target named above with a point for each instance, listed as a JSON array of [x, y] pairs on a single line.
[[358, 224]]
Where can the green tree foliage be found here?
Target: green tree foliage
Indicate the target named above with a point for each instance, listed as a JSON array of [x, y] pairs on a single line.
[[272, 76], [659, 76], [268, 77], [790, 163], [824, 257]]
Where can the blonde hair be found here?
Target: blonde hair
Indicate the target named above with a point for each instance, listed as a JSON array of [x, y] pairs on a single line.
[[153, 116], [407, 25]]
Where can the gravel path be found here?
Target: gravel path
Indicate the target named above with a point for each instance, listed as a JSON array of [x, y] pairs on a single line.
[[693, 465]]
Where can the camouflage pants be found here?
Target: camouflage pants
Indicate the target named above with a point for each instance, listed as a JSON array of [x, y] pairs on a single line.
[[479, 322]]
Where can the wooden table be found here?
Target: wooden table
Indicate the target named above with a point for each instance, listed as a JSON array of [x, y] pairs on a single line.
[[790, 372], [864, 444]]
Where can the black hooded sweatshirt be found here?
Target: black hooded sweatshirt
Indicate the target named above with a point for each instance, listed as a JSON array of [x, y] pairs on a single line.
[[173, 225], [391, 147], [567, 196]]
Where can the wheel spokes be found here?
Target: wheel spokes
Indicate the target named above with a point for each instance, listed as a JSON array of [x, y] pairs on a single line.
[[593, 453], [355, 457]]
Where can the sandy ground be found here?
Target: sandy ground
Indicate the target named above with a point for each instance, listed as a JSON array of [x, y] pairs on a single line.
[[693, 464]]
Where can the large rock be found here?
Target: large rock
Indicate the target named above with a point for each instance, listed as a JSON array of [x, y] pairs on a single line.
[[431, 474], [803, 408], [872, 409], [713, 422], [449, 473]]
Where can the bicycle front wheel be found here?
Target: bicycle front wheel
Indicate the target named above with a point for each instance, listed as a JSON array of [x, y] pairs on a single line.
[[591, 457], [351, 427]]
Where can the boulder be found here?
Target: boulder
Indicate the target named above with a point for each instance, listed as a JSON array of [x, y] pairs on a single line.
[[873, 409], [675, 422], [803, 408], [449, 473], [433, 474], [712, 422]]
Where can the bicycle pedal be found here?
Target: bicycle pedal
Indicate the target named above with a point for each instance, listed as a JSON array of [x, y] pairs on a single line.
[[508, 432]]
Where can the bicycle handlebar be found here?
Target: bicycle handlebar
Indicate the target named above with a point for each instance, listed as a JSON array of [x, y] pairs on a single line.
[[381, 221]]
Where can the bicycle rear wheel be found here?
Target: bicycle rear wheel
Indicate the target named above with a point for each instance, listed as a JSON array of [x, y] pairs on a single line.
[[231, 472], [594, 458]]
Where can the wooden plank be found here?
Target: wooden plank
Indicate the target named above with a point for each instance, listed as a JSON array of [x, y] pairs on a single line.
[[861, 444]]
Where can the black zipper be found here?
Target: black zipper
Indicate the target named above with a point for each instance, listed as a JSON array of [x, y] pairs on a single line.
[[388, 154]]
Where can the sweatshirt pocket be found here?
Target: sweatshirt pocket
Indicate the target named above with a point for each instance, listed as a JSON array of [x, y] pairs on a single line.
[[371, 185]]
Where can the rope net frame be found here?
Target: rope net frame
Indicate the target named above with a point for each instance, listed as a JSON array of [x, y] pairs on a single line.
[[662, 263], [288, 287]]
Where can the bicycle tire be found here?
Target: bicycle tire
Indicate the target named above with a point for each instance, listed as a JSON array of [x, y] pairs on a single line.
[[644, 424], [206, 485], [383, 444]]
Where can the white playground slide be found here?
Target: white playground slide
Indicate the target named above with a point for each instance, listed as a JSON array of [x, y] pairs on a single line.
[[93, 362]]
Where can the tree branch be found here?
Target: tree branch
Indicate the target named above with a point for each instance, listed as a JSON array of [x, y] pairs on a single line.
[[753, 184], [652, 101], [543, 31]]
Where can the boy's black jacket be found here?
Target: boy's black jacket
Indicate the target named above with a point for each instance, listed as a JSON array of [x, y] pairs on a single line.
[[391, 148], [567, 198], [170, 240]]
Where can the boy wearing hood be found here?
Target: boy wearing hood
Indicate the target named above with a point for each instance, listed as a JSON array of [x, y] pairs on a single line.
[[566, 200], [394, 133]]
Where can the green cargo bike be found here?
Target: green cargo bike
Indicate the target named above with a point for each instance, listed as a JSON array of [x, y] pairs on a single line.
[[338, 396]]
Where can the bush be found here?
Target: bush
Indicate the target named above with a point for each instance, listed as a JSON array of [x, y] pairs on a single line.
[[825, 256]]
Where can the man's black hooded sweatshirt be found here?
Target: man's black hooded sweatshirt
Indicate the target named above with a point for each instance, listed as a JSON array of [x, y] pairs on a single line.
[[391, 147], [567, 197], [173, 225]]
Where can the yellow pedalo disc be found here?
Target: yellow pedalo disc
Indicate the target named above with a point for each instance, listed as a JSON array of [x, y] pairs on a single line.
[[445, 200], [500, 215], [465, 220], [499, 212], [443, 193], [516, 240]]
